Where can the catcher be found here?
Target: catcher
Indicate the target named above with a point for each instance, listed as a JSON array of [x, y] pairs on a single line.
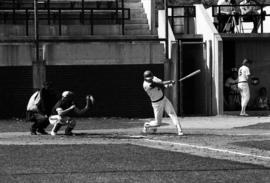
[[64, 109], [154, 87]]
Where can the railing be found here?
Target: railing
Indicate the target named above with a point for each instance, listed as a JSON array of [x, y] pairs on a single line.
[[236, 17], [178, 15], [37, 39], [89, 15], [53, 14], [49, 3]]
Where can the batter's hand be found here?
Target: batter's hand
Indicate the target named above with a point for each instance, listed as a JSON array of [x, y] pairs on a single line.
[[172, 82]]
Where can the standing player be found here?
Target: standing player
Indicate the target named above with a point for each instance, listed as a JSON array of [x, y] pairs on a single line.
[[154, 87], [64, 109], [243, 75]]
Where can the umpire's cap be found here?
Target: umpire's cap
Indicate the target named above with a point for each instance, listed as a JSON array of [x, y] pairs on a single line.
[[148, 75]]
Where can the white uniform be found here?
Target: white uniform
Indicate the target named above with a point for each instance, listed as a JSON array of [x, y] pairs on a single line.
[[243, 74], [159, 104]]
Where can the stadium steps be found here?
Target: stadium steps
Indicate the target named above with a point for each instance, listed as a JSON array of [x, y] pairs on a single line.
[[137, 25], [137, 21]]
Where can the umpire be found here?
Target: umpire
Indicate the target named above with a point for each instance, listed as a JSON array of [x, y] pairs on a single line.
[[39, 108]]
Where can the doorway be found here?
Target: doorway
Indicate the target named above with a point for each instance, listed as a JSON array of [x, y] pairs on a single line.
[[194, 92]]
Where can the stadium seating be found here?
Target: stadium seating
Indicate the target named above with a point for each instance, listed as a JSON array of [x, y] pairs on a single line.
[[72, 16]]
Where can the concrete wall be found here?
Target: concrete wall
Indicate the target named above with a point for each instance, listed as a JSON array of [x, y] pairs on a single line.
[[162, 30], [53, 30], [83, 54], [104, 53], [205, 27], [173, 74], [16, 55]]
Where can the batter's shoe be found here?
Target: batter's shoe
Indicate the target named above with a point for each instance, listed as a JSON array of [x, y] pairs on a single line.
[[144, 130], [243, 114], [180, 133]]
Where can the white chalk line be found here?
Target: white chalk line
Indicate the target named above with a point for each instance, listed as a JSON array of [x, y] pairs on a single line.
[[209, 148]]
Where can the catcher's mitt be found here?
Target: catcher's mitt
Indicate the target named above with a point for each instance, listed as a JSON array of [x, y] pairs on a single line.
[[255, 81]]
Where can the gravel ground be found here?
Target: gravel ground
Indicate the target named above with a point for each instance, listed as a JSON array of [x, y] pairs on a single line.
[[234, 138], [119, 163]]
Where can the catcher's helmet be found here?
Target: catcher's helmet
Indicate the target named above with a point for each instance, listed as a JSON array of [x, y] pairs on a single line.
[[148, 75], [67, 94]]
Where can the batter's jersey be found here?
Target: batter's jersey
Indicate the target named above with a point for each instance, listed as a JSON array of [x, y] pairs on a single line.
[[243, 73], [154, 92]]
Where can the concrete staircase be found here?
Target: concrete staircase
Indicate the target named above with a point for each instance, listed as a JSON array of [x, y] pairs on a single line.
[[137, 25]]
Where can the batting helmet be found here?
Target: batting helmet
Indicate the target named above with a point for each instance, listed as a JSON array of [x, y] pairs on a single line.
[[148, 75]]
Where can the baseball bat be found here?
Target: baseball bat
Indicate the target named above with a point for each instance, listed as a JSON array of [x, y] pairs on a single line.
[[190, 75]]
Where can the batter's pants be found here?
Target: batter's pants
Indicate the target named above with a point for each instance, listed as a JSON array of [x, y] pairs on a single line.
[[245, 94], [159, 108]]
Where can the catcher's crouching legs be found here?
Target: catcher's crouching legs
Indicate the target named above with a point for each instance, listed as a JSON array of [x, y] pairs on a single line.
[[55, 120], [55, 129]]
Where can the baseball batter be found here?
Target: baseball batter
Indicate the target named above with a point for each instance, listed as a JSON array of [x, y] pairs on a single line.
[[154, 87], [243, 75]]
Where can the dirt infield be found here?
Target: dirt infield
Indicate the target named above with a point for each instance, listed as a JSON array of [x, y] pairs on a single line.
[[243, 140], [119, 163]]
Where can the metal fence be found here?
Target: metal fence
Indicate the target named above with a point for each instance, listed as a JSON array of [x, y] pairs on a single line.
[[45, 11]]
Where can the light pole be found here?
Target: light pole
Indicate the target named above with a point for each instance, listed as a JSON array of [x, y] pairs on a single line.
[[39, 70]]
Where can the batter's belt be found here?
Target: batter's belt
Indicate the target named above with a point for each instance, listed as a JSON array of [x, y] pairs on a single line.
[[158, 99]]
